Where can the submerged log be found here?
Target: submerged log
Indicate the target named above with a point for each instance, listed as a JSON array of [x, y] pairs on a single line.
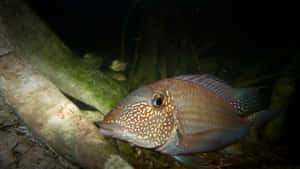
[[53, 118], [49, 55]]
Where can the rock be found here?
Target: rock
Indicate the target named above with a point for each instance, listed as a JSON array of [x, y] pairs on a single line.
[[6, 159], [37, 158], [22, 148], [8, 140], [7, 143]]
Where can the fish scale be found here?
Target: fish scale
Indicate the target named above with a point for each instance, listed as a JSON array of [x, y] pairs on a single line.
[[185, 114], [158, 123]]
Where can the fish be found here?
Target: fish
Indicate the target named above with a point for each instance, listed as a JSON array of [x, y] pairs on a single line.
[[185, 114], [118, 66]]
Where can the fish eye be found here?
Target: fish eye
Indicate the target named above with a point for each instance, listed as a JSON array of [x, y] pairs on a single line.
[[158, 100]]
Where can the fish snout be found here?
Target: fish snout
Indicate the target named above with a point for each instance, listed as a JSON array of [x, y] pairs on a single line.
[[110, 125], [108, 129], [103, 129], [113, 115]]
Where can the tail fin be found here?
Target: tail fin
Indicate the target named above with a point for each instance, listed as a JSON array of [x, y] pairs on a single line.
[[245, 101], [260, 118]]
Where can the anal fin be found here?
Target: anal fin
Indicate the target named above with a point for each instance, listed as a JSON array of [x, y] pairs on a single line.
[[234, 149], [193, 162]]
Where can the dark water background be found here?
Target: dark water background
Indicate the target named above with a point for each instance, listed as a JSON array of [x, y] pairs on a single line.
[[239, 39]]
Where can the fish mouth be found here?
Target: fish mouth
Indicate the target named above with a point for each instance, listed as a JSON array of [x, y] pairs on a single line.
[[111, 129], [114, 130], [106, 132], [108, 129]]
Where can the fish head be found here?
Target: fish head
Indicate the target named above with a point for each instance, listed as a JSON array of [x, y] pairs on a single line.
[[145, 118]]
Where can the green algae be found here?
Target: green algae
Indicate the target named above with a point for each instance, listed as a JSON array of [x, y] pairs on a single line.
[[77, 78], [50, 56]]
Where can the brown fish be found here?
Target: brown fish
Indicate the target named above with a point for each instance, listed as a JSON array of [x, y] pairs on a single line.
[[185, 114]]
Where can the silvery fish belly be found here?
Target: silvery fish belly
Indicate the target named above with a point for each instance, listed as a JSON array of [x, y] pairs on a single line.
[[185, 114]]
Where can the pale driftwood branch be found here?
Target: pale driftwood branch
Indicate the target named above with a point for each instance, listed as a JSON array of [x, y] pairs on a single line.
[[51, 116], [50, 56], [55, 119]]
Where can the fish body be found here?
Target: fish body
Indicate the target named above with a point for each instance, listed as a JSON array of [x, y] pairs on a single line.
[[183, 115], [118, 66]]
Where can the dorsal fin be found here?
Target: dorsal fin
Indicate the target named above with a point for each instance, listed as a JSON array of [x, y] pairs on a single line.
[[197, 78], [211, 83], [243, 100]]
